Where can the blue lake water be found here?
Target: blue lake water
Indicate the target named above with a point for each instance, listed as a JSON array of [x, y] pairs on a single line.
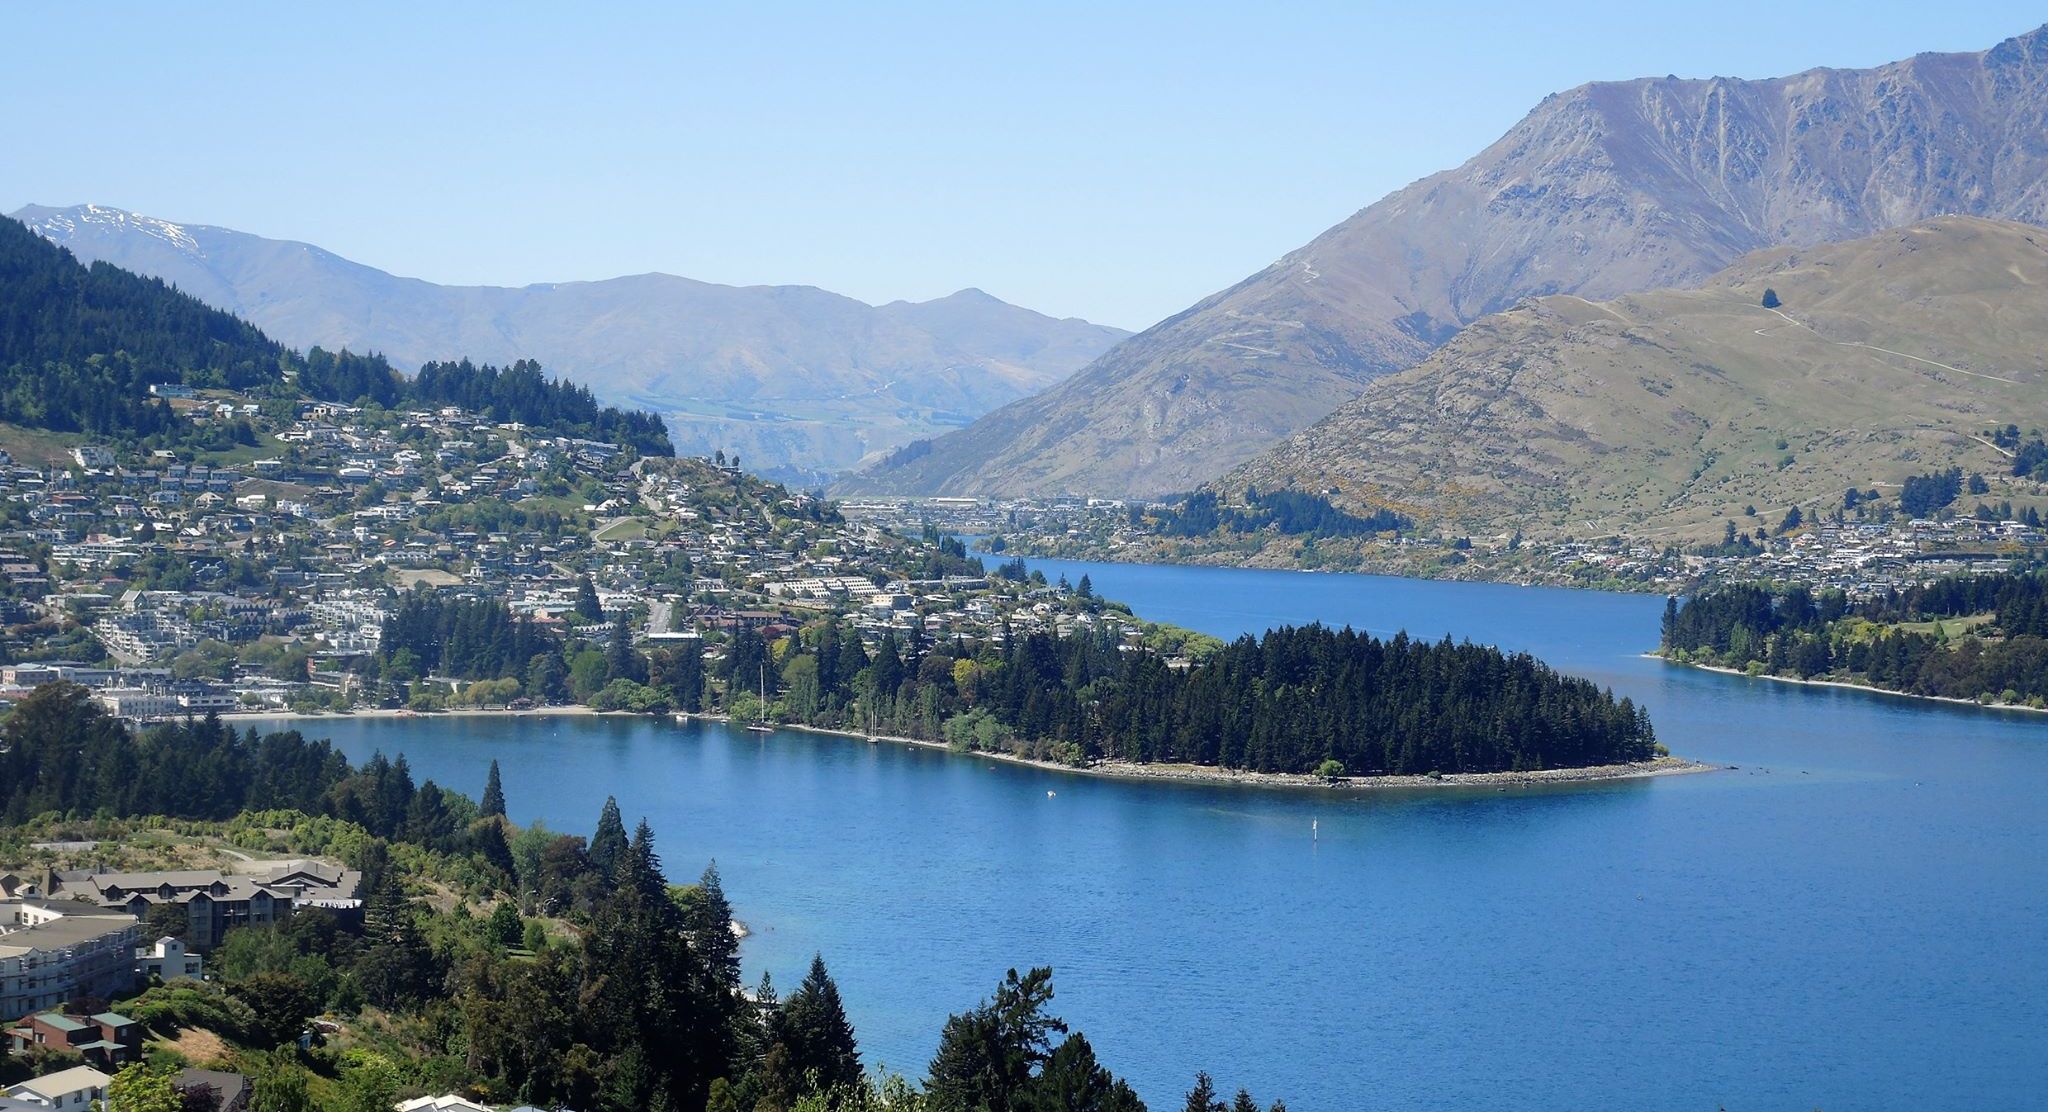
[[1856, 918]]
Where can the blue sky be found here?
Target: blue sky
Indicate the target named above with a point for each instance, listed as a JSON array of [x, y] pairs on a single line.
[[1110, 161]]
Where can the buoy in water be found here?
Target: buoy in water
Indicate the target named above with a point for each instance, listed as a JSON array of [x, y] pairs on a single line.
[[1051, 795]]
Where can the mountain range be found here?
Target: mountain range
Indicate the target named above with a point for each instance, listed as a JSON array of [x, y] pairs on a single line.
[[1666, 413], [798, 381], [1610, 188]]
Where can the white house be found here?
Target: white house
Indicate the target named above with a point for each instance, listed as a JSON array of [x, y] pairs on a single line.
[[66, 1090], [167, 961]]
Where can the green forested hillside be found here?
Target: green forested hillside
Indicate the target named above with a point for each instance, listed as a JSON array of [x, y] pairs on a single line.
[[80, 347]]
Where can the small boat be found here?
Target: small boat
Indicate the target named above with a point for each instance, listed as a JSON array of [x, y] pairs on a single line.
[[761, 725]]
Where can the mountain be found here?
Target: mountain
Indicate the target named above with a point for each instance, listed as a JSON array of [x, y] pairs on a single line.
[[1659, 413], [83, 350], [1610, 188], [798, 381]]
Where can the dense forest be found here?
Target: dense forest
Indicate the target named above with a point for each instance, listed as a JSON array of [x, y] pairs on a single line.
[[589, 981], [1299, 700], [1961, 637], [1290, 512], [80, 346]]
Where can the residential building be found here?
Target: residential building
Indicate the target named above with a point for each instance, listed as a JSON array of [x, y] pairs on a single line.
[[217, 902], [168, 960], [108, 1040], [72, 1090], [52, 951]]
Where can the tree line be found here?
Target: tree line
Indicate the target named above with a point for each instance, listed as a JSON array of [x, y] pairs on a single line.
[[80, 346], [1290, 512], [2001, 655], [587, 980], [1298, 700]]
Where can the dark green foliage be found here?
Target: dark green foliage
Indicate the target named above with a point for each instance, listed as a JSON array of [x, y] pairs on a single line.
[[1073, 1081], [1202, 1098], [1793, 632], [494, 794], [524, 393], [1290, 512], [280, 1003], [1283, 703], [349, 378], [587, 605], [469, 639], [988, 1057], [708, 917], [1922, 495], [60, 752], [80, 346], [608, 846], [816, 1036]]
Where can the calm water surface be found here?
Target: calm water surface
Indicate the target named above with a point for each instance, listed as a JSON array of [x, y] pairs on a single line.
[[1856, 918]]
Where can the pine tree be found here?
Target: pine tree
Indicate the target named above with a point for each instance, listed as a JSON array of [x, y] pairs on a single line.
[[710, 926], [817, 1032], [1073, 1081], [608, 845], [587, 605], [1202, 1098], [494, 794]]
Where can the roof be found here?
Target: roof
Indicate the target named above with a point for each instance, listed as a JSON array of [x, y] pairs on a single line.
[[448, 1103], [77, 927], [63, 1082], [112, 1019], [229, 1086], [59, 1021]]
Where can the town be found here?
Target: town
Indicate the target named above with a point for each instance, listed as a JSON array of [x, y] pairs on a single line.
[[1861, 557], [264, 582]]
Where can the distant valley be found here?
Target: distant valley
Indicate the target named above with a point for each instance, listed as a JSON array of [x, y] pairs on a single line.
[[799, 382], [1607, 189]]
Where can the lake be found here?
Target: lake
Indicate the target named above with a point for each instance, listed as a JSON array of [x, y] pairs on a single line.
[[1857, 917]]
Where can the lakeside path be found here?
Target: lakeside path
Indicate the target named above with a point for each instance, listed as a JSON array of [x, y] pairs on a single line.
[[1869, 689], [1118, 770]]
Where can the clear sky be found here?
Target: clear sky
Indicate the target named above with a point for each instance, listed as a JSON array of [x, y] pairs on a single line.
[[1112, 161]]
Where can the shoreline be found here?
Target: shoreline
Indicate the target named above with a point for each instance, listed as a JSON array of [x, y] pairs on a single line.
[[1211, 774], [1867, 688], [400, 713], [1112, 769]]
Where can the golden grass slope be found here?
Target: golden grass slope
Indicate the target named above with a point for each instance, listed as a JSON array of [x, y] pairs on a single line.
[[1655, 414]]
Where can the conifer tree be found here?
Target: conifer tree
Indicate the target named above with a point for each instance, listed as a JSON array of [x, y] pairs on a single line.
[[1202, 1098], [710, 926], [494, 794], [817, 1032], [608, 845]]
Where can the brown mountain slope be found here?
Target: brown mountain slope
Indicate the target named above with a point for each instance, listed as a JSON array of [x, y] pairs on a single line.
[[1603, 190], [1657, 412]]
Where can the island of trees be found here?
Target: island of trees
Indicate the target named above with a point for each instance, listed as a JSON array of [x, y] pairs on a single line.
[[1298, 700], [506, 963], [1981, 638]]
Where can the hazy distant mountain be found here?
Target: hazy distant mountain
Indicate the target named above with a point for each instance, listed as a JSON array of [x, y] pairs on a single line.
[[1603, 190], [798, 381], [1672, 411]]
